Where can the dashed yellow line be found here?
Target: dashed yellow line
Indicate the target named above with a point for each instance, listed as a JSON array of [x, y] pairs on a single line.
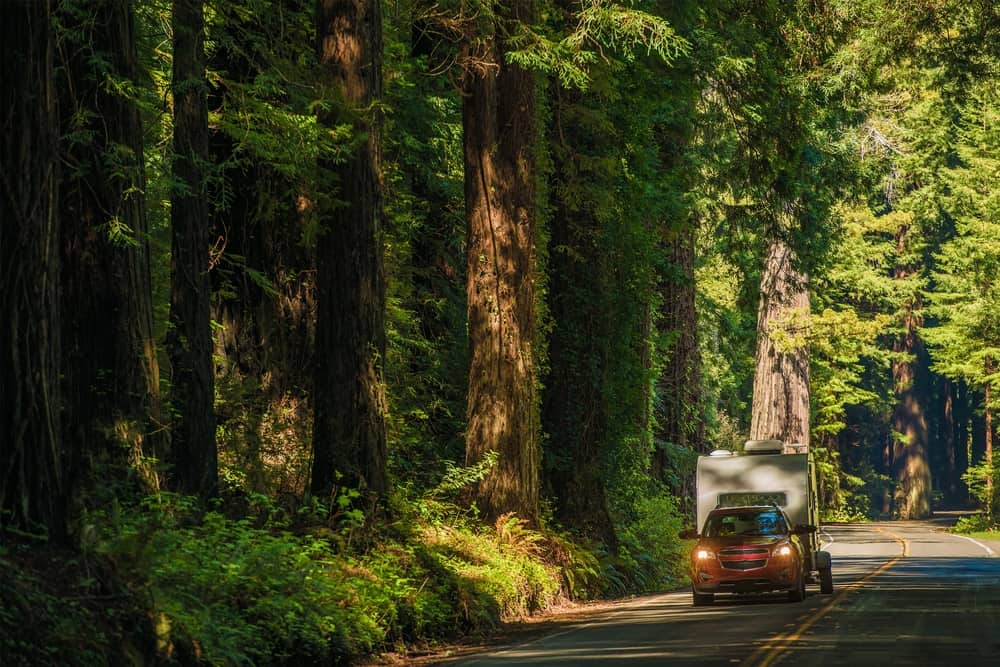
[[767, 654]]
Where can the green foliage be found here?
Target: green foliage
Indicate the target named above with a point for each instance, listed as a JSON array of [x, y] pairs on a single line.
[[980, 524], [270, 584], [236, 593], [59, 608], [427, 352], [651, 558], [594, 30], [981, 479]]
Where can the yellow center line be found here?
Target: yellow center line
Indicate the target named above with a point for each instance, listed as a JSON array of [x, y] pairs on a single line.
[[768, 653]]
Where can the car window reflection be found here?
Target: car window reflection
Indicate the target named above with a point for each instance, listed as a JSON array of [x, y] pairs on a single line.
[[747, 523]]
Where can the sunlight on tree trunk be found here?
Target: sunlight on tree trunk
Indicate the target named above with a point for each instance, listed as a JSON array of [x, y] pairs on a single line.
[[781, 380], [910, 465], [499, 131], [349, 436]]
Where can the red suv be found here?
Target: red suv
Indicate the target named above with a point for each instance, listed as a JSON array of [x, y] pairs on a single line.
[[748, 550]]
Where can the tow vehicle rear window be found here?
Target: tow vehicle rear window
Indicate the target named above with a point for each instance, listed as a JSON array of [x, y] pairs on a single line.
[[766, 522]]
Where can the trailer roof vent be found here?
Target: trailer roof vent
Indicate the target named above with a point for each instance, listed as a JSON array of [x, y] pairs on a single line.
[[721, 452], [764, 447]]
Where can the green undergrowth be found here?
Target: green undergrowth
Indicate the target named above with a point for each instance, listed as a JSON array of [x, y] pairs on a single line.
[[978, 525], [167, 582]]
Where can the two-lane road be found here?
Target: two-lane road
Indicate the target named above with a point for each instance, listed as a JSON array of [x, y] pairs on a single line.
[[906, 593]]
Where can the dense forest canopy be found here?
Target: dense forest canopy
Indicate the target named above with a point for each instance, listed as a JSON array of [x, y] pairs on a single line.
[[311, 301]]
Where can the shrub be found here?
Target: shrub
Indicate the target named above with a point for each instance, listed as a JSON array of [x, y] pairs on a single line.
[[651, 553], [226, 592]]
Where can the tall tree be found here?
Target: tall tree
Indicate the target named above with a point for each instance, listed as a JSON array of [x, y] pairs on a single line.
[[33, 489], [909, 456], [499, 138], [110, 370], [189, 339], [609, 188], [349, 436], [781, 381], [965, 343]]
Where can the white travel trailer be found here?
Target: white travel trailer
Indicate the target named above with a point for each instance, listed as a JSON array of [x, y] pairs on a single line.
[[768, 473]]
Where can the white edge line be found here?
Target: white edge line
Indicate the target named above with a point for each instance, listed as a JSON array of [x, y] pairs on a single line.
[[979, 544], [829, 538]]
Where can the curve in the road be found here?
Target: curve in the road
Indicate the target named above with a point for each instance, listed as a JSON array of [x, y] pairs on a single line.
[[979, 544]]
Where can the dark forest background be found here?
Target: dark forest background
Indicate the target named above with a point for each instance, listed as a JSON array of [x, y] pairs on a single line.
[[329, 328]]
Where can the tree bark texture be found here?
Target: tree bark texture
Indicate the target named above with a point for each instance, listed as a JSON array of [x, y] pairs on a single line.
[[189, 339], [780, 407], [991, 498], [946, 436], [110, 370], [963, 430], [349, 436], [910, 462], [499, 134], [33, 489]]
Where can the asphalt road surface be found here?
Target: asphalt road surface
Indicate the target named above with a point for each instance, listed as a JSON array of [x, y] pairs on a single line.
[[906, 593]]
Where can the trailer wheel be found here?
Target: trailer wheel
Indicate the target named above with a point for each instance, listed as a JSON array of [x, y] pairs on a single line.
[[701, 599], [826, 580]]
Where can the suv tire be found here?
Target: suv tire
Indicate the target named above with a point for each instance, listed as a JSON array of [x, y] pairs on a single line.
[[701, 599], [798, 594]]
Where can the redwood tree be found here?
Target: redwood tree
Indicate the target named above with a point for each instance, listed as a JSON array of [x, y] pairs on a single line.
[[909, 455], [189, 339], [349, 435], [499, 132], [110, 370], [780, 407], [33, 490]]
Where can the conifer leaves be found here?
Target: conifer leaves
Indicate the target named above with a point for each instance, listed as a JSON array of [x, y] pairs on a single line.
[[966, 294], [598, 31]]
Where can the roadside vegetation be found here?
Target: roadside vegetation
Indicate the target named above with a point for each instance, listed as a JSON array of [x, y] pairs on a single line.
[[163, 581], [309, 352]]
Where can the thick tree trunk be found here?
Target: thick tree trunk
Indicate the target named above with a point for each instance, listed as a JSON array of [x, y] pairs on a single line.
[[962, 439], [946, 434], [781, 381], [499, 134], [33, 489], [189, 340], [110, 370], [991, 498], [910, 464], [349, 435]]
